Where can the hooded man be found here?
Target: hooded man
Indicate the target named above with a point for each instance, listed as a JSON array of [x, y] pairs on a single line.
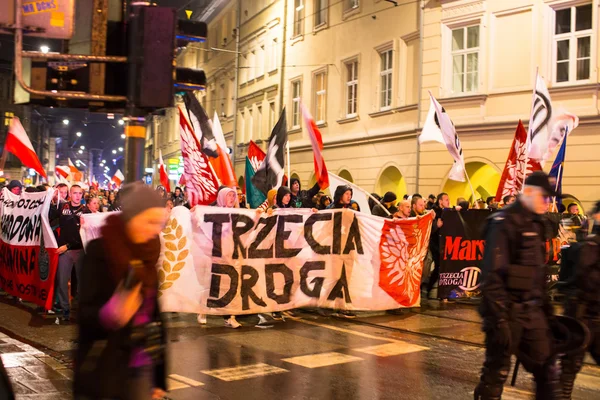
[[342, 197], [302, 198], [387, 203], [284, 198], [15, 187]]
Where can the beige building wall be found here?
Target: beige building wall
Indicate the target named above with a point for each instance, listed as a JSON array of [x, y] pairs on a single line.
[[515, 37]]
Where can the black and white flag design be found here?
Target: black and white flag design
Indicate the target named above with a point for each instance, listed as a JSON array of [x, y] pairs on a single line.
[[271, 172]]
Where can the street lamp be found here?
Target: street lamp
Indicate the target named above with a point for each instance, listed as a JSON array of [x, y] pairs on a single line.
[[121, 122], [120, 149], [82, 147], [65, 121], [122, 136], [103, 161], [44, 49], [78, 134], [114, 152], [80, 151]]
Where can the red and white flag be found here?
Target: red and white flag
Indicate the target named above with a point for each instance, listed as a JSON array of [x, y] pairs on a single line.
[[94, 182], [516, 169], [62, 171], [162, 170], [222, 164], [72, 167], [118, 178], [200, 181], [18, 143], [316, 140]]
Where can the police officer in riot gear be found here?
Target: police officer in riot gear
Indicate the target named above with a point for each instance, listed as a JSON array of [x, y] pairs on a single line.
[[517, 313], [583, 299]]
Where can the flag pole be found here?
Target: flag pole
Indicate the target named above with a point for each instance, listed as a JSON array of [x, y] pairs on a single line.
[[364, 191], [3, 159], [289, 167], [470, 185], [528, 142]]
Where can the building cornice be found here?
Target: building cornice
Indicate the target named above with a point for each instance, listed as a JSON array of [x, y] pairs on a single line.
[[258, 93]]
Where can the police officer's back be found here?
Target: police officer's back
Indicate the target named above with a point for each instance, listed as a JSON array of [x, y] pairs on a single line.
[[516, 310]]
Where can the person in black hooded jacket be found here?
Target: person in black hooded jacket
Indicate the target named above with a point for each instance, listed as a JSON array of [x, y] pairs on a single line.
[[342, 197], [302, 198], [283, 198]]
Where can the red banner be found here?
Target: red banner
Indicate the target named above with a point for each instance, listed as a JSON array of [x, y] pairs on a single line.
[[28, 250]]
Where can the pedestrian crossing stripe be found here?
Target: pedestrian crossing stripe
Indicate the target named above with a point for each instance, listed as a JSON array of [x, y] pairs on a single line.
[[244, 372], [322, 360], [391, 349], [185, 380]]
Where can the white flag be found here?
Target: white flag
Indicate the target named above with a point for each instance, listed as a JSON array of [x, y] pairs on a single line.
[[547, 126], [359, 195], [439, 128]]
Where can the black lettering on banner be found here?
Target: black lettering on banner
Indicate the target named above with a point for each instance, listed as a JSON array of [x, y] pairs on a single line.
[[337, 233], [317, 282], [354, 242], [215, 286], [247, 284], [283, 235], [253, 250], [217, 220], [316, 247], [340, 290], [242, 224], [288, 275]]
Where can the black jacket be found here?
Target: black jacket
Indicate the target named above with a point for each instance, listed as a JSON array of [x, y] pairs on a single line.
[[69, 224], [582, 294], [103, 356], [304, 197], [514, 265]]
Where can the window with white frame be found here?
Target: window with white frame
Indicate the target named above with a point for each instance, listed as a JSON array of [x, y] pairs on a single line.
[[320, 96], [386, 60], [251, 65], [296, 95], [321, 12], [260, 61], [298, 17], [350, 5], [272, 116], [351, 88], [572, 43], [273, 56], [259, 124], [465, 59]]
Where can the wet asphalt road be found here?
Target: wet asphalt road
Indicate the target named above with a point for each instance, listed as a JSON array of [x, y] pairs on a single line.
[[430, 353]]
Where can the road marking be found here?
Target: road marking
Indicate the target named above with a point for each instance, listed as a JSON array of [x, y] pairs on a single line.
[[172, 384], [322, 360], [391, 349], [244, 372], [348, 331], [511, 393], [186, 380]]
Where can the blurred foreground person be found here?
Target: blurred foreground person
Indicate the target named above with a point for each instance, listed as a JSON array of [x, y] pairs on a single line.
[[516, 310], [583, 300], [121, 352]]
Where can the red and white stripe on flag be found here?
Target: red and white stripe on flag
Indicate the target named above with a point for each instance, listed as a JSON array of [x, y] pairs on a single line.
[[18, 143], [63, 171], [316, 140], [162, 171], [118, 178], [72, 167]]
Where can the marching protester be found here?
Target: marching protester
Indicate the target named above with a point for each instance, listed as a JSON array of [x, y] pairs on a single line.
[[508, 200], [516, 310], [227, 198], [431, 202], [417, 206], [442, 202], [121, 343], [583, 299], [387, 203], [178, 197], [403, 210], [374, 199], [94, 205], [284, 198], [70, 247], [302, 198], [15, 187], [342, 197], [324, 202]]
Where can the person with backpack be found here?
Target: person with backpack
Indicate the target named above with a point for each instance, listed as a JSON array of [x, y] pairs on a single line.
[[580, 268]]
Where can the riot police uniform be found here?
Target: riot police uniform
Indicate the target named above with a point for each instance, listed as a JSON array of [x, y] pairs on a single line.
[[583, 303], [517, 313]]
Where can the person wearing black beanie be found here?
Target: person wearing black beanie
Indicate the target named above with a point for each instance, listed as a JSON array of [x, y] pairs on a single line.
[[302, 198], [387, 203], [122, 341]]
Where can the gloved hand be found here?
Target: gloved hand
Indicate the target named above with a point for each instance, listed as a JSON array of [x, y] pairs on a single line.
[[502, 335]]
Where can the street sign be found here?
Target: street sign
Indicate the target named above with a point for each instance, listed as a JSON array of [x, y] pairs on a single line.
[[53, 19]]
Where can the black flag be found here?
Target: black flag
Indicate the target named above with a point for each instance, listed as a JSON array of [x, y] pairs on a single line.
[[270, 174], [201, 124]]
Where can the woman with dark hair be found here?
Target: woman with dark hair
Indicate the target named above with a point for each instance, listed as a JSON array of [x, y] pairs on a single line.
[[115, 205], [178, 197], [324, 202], [284, 197], [112, 197], [121, 353]]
